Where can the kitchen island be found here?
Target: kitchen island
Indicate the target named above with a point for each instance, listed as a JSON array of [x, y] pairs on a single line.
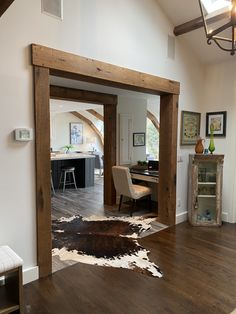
[[84, 168]]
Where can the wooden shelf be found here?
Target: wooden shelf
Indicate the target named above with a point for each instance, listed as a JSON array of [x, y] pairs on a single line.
[[206, 183], [7, 305], [11, 291], [209, 196], [9, 309], [207, 222]]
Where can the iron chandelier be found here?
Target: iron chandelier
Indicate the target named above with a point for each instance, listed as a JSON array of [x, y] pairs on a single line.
[[220, 24]]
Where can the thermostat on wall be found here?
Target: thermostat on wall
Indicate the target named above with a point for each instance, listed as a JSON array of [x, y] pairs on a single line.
[[23, 134]]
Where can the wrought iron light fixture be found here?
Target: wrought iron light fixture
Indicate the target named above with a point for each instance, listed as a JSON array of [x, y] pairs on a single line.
[[220, 24]]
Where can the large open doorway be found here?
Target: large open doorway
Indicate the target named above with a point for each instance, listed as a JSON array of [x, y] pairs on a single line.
[[48, 62]]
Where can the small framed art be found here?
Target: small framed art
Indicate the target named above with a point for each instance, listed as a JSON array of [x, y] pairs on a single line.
[[76, 133], [190, 127], [218, 120], [138, 139]]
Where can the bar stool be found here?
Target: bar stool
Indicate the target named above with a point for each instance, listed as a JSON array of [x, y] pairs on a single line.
[[67, 177], [52, 185]]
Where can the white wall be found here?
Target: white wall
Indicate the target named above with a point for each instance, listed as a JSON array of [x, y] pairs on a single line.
[[60, 134], [128, 33], [220, 95], [153, 105], [138, 108]]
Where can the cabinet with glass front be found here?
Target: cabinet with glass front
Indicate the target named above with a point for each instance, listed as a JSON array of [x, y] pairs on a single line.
[[205, 189]]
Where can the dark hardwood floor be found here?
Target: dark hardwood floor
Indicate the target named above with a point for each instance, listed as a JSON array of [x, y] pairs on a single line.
[[89, 201], [199, 266]]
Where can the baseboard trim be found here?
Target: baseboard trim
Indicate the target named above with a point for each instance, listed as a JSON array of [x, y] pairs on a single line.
[[181, 217], [225, 217], [30, 274]]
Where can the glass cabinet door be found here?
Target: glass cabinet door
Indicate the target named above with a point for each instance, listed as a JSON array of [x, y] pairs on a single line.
[[206, 192], [205, 189]]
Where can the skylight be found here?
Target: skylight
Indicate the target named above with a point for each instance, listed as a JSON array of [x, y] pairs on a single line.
[[215, 5]]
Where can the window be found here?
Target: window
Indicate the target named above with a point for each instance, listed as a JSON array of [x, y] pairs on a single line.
[[152, 141], [215, 5]]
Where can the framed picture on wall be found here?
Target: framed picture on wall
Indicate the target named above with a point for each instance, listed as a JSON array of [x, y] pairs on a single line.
[[76, 133], [190, 127], [138, 139], [218, 121]]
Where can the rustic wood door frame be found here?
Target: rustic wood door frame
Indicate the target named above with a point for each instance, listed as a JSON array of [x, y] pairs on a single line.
[[48, 61]]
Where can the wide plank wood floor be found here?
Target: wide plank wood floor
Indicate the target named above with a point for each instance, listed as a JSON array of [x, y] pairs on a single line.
[[89, 201], [199, 266]]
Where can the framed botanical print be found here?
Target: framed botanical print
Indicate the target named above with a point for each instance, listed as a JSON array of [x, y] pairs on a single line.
[[218, 121], [190, 127], [76, 133], [139, 139]]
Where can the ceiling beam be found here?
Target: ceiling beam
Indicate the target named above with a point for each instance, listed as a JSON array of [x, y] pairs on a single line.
[[96, 114], [90, 123], [154, 120], [72, 94], [4, 5], [197, 23]]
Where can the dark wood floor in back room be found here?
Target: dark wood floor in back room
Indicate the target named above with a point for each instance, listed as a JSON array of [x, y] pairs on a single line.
[[199, 277], [89, 201]]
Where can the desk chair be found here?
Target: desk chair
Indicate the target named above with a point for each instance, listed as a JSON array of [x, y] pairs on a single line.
[[125, 187]]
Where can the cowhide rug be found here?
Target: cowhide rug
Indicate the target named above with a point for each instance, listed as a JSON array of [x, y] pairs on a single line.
[[103, 241]]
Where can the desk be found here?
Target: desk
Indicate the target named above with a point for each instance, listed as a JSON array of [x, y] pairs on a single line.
[[84, 167], [145, 175]]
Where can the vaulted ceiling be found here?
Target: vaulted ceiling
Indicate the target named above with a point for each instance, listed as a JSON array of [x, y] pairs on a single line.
[[179, 12], [182, 11]]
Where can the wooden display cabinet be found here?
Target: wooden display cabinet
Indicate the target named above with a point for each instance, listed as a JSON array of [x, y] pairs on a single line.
[[205, 189]]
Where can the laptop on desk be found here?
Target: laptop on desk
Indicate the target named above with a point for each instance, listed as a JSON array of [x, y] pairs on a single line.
[[145, 175], [153, 166]]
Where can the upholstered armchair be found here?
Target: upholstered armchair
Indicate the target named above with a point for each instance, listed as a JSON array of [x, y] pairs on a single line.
[[125, 187]]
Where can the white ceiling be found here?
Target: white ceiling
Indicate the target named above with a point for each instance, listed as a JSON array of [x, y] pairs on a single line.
[[100, 88], [181, 11], [57, 106]]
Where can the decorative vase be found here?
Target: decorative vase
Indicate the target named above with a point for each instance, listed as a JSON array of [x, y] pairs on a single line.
[[211, 147], [199, 148]]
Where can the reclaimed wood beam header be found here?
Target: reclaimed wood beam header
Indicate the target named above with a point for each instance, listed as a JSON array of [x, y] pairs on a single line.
[[73, 94], [76, 67]]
